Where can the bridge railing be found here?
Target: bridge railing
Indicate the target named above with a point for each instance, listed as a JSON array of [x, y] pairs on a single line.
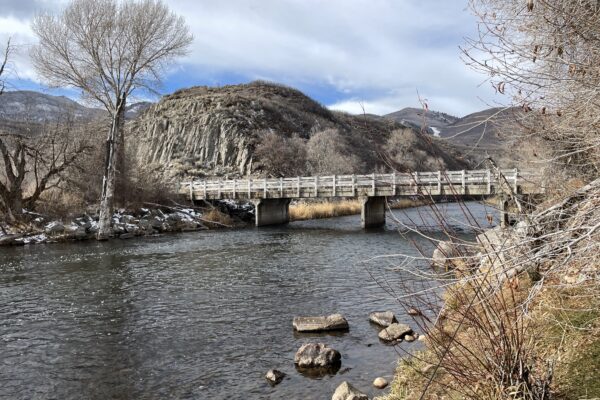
[[353, 185]]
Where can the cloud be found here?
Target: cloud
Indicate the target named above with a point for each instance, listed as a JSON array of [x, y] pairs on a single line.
[[379, 52]]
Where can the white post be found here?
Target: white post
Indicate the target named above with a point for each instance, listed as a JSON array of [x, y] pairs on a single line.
[[489, 182], [316, 185], [192, 190], [334, 186], [373, 184], [298, 179], [234, 188], [353, 185], [249, 188], [439, 179], [265, 188], [204, 186], [516, 184], [463, 182], [219, 188], [394, 182], [280, 187]]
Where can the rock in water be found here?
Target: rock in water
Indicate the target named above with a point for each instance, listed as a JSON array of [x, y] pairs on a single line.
[[395, 332], [380, 383], [348, 392], [382, 318], [274, 376], [317, 355], [334, 322], [409, 338]]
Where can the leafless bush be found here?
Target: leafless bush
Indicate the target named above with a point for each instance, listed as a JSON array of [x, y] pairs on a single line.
[[281, 156], [328, 153]]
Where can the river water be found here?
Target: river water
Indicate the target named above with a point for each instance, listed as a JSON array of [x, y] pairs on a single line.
[[200, 315]]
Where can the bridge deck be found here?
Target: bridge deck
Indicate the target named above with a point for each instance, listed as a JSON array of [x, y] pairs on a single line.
[[461, 183]]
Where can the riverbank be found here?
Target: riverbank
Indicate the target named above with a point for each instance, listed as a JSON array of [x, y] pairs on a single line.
[[126, 224], [302, 211], [522, 319]]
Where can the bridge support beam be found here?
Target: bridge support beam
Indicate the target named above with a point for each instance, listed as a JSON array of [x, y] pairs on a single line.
[[373, 211], [271, 211]]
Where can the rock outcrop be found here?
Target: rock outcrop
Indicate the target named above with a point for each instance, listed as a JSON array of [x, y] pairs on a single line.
[[205, 131], [317, 355]]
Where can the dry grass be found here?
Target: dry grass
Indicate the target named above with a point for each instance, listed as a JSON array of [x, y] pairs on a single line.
[[304, 211], [329, 209], [218, 217]]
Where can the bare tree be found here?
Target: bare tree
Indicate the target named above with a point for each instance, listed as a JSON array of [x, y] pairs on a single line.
[[35, 155], [281, 156], [329, 153], [108, 49], [3, 65], [546, 55]]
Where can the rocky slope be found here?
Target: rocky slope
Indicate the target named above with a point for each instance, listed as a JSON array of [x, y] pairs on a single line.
[[204, 131]]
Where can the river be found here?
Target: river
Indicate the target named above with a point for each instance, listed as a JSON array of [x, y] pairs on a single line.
[[200, 315]]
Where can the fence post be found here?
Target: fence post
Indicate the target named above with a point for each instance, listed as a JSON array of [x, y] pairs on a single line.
[[219, 188], [234, 188], [265, 188], [298, 179], [334, 186], [280, 187], [192, 191], [394, 182], [516, 184], [353, 185], [439, 179], [249, 188], [463, 182], [489, 182], [204, 187], [373, 184], [316, 185]]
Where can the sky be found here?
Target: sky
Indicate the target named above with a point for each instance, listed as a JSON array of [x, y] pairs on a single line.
[[347, 54]]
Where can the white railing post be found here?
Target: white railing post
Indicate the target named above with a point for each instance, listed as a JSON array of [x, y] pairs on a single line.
[[234, 188], [463, 181], [316, 185], [298, 181], [516, 184], [489, 182], [334, 186], [192, 190], [204, 187], [395, 183], [265, 188], [373, 184], [353, 185], [249, 188], [219, 188], [439, 179], [280, 187]]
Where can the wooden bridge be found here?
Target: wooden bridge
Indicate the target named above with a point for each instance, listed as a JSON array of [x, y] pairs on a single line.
[[272, 196]]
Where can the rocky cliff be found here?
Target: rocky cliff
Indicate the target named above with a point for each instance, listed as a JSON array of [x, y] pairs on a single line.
[[205, 131]]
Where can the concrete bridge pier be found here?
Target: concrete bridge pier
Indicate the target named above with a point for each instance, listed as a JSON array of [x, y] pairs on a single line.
[[271, 211], [373, 211]]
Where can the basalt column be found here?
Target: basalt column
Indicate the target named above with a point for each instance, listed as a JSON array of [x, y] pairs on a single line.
[[373, 211], [272, 211]]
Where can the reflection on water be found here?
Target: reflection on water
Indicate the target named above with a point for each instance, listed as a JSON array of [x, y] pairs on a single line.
[[199, 315]]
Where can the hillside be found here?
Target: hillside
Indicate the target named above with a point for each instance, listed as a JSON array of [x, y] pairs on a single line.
[[417, 118], [214, 131]]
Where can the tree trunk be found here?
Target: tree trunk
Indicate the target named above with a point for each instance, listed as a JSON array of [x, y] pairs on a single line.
[[110, 172], [14, 206]]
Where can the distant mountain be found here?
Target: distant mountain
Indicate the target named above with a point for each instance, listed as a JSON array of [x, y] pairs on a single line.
[[417, 118], [30, 106], [26, 106]]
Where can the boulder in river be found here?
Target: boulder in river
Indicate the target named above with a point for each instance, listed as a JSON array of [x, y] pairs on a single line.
[[317, 355], [274, 376], [395, 332], [382, 318], [380, 383], [348, 392], [334, 322]]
